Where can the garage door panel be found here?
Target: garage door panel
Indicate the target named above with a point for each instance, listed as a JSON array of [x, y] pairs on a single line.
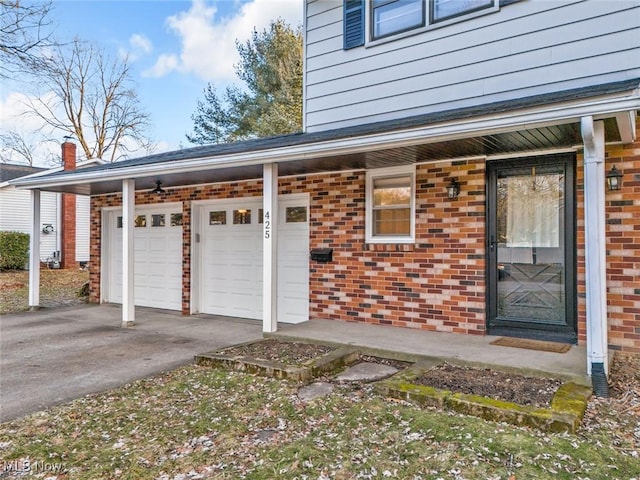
[[232, 262], [158, 262]]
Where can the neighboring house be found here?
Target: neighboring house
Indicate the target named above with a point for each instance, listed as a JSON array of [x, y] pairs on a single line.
[[451, 177], [15, 215]]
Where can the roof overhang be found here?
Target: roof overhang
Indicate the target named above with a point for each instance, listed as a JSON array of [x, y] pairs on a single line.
[[537, 128]]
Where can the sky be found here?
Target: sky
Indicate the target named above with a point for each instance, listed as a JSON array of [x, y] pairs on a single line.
[[175, 48]]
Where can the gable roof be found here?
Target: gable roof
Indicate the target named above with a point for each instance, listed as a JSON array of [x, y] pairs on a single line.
[[9, 171]]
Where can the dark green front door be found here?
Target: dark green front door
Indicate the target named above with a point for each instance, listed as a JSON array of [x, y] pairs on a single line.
[[531, 248]]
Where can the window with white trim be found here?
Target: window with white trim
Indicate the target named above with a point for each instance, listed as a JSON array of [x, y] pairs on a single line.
[[390, 214], [388, 18], [444, 9], [395, 16]]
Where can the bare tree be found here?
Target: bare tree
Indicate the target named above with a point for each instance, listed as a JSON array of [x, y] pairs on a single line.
[[24, 32], [13, 145], [30, 149], [94, 99]]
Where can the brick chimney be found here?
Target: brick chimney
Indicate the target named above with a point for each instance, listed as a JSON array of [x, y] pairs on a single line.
[[68, 213]]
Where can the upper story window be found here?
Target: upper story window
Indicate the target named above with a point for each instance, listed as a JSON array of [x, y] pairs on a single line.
[[385, 18], [390, 214], [394, 16], [444, 9]]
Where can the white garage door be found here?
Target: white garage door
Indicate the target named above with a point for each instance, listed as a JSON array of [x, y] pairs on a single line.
[[231, 258], [158, 257]]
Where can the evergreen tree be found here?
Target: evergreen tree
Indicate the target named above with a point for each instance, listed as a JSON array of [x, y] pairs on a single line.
[[270, 104]]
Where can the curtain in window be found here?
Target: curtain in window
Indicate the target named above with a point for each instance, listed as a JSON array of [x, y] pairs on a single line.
[[533, 211]]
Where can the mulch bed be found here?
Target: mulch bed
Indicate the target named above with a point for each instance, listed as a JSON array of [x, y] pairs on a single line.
[[484, 382], [289, 353], [489, 383]]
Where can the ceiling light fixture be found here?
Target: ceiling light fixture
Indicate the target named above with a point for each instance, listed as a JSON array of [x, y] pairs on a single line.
[[158, 190]]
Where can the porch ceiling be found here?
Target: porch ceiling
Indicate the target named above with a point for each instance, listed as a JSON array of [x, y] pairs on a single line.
[[526, 140]]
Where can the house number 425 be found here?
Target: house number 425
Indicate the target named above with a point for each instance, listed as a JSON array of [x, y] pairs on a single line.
[[267, 224]]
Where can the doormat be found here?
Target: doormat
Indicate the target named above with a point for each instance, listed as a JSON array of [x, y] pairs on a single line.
[[532, 344]]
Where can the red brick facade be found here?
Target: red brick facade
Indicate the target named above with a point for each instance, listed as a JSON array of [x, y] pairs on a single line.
[[623, 250], [68, 212], [68, 234], [438, 283]]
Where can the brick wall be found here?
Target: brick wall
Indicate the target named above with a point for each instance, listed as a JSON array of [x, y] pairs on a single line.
[[68, 234], [438, 283], [68, 212], [623, 249]]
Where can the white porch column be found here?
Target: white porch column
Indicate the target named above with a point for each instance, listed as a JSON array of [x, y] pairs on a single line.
[[595, 243], [34, 252], [128, 256], [270, 249]]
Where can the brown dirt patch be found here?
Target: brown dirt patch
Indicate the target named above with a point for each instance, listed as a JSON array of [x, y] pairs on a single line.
[[508, 387], [289, 353], [57, 288]]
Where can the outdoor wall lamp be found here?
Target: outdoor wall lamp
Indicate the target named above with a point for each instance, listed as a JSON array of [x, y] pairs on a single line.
[[614, 179], [158, 190], [453, 189]]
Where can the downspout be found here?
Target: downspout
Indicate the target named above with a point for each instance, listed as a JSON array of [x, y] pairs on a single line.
[[595, 254]]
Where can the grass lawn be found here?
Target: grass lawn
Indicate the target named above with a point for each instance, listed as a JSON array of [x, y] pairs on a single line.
[[57, 287], [198, 422]]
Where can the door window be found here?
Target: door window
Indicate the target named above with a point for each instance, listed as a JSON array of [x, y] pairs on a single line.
[[531, 247]]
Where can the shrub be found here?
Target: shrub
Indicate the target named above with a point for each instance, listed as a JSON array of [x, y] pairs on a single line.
[[14, 250]]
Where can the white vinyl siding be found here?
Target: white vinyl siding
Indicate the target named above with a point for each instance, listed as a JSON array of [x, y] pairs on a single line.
[[15, 215], [524, 49]]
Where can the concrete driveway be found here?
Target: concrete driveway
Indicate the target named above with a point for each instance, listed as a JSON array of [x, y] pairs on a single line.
[[54, 355]]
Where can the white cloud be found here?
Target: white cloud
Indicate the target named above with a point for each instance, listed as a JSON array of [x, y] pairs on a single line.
[[165, 64], [15, 117], [139, 45], [208, 48]]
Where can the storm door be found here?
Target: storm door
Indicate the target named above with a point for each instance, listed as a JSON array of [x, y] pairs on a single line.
[[531, 248]]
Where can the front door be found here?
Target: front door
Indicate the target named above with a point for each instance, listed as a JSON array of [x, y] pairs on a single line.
[[531, 248]]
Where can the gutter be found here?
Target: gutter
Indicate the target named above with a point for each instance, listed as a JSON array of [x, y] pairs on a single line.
[[490, 124]]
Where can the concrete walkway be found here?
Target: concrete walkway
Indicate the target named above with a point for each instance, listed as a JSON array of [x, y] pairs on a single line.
[[57, 354], [445, 346]]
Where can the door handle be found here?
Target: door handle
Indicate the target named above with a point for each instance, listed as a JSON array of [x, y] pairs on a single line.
[[492, 244]]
